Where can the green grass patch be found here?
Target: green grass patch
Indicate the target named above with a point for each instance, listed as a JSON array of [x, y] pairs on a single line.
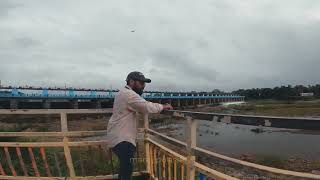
[[272, 161]]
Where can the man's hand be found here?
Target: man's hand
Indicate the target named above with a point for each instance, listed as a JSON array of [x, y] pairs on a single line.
[[167, 107]]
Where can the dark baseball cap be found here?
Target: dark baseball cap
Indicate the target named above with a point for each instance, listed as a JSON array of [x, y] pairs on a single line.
[[137, 76]]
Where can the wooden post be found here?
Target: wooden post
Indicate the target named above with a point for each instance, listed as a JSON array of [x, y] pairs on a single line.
[[191, 132], [182, 171], [151, 160], [64, 122], [147, 148], [67, 153], [169, 160], [23, 166], [8, 157], [175, 169], [2, 170], [156, 171], [163, 166], [33, 161], [44, 159]]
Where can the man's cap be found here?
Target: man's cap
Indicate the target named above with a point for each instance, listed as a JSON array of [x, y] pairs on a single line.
[[137, 76]]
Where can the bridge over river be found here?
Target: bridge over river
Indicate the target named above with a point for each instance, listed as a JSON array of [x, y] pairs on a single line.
[[63, 98]]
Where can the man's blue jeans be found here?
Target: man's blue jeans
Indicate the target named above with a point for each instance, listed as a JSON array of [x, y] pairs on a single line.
[[125, 152]]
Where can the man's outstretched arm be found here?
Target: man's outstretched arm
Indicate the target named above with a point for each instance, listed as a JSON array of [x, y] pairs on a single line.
[[138, 104]]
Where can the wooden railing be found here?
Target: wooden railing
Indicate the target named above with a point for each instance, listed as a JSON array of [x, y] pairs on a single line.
[[191, 169], [36, 160], [53, 160]]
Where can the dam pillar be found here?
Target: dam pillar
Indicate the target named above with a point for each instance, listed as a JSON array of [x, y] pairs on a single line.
[[98, 104], [13, 104], [46, 104], [170, 99], [75, 104], [186, 100], [205, 99], [193, 100], [179, 100]]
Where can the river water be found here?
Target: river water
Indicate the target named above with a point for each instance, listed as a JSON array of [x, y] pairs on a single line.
[[232, 139]]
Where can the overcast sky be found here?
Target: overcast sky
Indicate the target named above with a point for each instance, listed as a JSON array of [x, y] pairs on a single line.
[[180, 45]]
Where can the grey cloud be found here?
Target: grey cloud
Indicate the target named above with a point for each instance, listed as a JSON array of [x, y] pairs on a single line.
[[25, 42], [179, 63], [6, 6], [181, 45]]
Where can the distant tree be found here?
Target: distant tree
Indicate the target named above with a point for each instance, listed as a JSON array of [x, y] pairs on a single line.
[[281, 93], [217, 91]]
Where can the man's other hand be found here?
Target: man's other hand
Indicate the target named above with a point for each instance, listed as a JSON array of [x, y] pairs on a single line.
[[167, 107]]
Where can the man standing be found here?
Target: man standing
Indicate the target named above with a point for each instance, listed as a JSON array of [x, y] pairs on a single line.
[[122, 126]]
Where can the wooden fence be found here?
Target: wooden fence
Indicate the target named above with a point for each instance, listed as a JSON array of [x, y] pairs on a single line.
[[161, 162]]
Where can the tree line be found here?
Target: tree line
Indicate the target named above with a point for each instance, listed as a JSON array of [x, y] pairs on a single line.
[[280, 93]]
